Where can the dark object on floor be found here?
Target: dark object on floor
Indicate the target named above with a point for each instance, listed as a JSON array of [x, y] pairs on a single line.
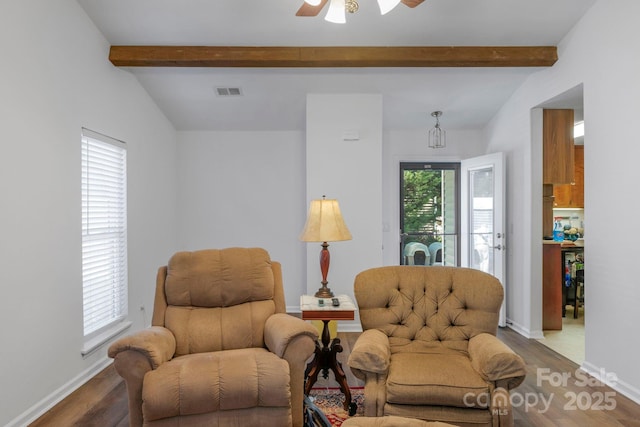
[[313, 416]]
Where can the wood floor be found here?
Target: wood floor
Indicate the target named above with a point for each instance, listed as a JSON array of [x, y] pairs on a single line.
[[102, 402]]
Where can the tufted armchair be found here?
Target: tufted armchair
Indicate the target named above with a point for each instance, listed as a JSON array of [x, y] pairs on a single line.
[[221, 350], [429, 349]]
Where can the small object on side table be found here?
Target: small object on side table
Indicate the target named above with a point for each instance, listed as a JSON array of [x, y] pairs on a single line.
[[335, 302], [325, 354]]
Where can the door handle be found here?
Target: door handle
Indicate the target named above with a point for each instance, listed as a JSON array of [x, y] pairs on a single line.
[[498, 247]]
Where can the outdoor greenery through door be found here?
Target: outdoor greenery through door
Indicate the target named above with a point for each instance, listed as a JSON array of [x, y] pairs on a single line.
[[429, 213]]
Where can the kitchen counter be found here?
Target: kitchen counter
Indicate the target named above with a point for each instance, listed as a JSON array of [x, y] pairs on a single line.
[[565, 243]]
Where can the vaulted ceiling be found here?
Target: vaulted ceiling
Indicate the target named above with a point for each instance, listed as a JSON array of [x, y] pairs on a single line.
[[476, 53]]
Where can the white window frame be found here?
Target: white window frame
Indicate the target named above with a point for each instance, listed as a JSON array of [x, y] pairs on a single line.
[[104, 239]]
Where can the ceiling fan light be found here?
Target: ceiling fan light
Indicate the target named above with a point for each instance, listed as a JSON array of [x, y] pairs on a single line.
[[313, 2], [387, 5], [336, 12]]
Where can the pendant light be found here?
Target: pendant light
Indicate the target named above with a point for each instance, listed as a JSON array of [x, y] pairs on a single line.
[[437, 135]]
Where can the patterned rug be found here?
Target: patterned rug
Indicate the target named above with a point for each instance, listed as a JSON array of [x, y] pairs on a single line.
[[330, 401]]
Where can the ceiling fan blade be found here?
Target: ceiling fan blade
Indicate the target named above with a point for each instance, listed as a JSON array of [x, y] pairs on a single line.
[[307, 10], [412, 3]]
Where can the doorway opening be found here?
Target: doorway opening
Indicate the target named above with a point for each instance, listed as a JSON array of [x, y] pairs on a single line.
[[564, 204]]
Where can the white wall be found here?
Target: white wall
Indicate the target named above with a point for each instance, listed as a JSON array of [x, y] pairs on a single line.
[[230, 182], [351, 172], [597, 53], [55, 79], [250, 189], [245, 189]]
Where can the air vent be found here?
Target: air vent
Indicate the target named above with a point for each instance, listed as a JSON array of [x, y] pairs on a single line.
[[228, 91]]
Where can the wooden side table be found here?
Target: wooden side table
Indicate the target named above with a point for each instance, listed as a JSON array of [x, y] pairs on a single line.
[[325, 355]]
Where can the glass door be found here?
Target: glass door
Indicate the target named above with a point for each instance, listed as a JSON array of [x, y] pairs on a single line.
[[429, 214], [482, 226]]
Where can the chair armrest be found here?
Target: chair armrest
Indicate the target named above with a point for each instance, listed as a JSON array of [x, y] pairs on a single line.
[[370, 353], [156, 343], [293, 340], [137, 354], [495, 361], [282, 329]]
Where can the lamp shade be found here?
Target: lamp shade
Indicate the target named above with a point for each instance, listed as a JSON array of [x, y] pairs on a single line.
[[325, 223]]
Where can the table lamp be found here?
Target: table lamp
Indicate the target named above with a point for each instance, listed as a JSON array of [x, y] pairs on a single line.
[[324, 224]]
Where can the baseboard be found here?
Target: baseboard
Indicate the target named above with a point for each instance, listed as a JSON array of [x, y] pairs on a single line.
[[39, 408], [349, 326], [618, 385], [525, 332]]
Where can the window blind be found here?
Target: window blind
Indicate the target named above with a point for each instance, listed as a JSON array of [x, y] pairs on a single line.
[[104, 231]]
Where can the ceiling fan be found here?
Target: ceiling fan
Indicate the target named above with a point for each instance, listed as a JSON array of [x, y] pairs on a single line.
[[313, 7]]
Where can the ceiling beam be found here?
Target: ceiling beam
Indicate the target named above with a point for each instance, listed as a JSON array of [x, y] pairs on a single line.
[[362, 56]]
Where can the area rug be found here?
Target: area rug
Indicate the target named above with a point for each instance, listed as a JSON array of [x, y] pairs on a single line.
[[330, 401]]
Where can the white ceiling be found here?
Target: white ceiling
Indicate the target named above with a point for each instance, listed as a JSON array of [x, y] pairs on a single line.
[[274, 98]]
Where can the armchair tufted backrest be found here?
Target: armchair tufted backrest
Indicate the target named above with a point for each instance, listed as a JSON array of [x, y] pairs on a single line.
[[428, 308], [218, 299]]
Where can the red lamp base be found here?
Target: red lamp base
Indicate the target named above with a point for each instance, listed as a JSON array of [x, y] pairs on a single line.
[[325, 258]]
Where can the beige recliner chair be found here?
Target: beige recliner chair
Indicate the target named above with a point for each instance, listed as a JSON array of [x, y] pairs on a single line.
[[429, 349], [221, 350]]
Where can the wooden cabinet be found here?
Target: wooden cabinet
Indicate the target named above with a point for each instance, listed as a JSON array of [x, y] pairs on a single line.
[[552, 286], [572, 195], [547, 210], [557, 146]]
